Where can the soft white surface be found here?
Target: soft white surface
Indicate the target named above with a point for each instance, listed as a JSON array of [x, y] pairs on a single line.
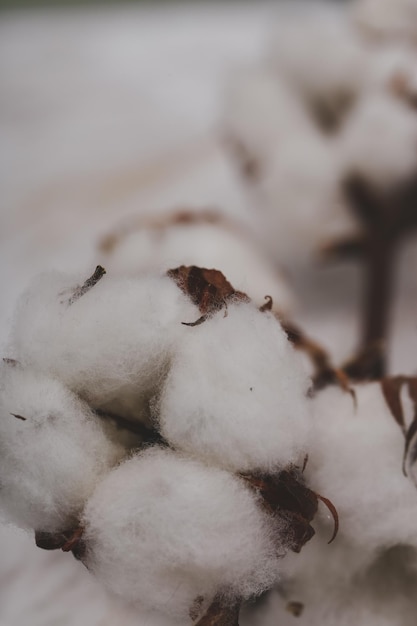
[[356, 461], [162, 530], [236, 393], [112, 345], [50, 462]]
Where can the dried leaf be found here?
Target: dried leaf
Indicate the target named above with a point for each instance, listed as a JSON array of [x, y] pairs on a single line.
[[334, 513], [295, 608], [220, 615], [286, 494], [326, 374], [19, 417], [208, 289], [268, 305], [89, 284], [391, 389], [67, 541]]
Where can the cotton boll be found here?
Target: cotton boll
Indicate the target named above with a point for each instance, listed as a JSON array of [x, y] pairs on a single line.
[[356, 461], [53, 451], [162, 531], [380, 141], [298, 200], [260, 112], [219, 244], [236, 394], [112, 345], [322, 56]]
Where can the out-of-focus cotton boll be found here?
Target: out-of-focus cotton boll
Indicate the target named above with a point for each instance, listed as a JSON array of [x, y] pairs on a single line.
[[321, 55], [261, 112], [236, 394], [162, 531], [293, 169], [388, 19], [53, 451], [356, 460], [221, 245], [112, 345], [379, 141]]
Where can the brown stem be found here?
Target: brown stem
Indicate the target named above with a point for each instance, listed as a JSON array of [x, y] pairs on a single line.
[[379, 283]]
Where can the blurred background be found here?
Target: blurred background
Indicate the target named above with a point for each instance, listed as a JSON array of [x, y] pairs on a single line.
[[114, 110]]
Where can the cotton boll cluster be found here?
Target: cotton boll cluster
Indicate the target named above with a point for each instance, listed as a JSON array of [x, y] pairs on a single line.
[[203, 238], [236, 394], [326, 104], [177, 531], [200, 519], [112, 345], [53, 450]]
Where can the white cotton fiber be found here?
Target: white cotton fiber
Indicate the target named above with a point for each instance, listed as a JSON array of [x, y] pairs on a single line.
[[53, 451], [221, 245], [162, 531], [236, 393], [112, 345], [379, 141], [356, 461]]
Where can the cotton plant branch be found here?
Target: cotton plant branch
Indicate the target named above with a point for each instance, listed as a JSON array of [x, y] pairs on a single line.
[[386, 219]]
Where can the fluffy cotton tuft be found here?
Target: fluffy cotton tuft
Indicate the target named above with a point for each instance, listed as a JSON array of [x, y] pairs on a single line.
[[356, 461], [112, 345], [162, 531], [236, 394], [53, 451]]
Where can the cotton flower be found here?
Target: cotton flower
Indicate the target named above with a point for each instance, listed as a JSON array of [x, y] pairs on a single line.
[[168, 533], [53, 451]]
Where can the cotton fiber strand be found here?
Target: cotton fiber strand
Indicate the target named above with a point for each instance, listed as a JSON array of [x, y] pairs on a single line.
[[236, 393], [162, 531], [51, 455], [112, 345]]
